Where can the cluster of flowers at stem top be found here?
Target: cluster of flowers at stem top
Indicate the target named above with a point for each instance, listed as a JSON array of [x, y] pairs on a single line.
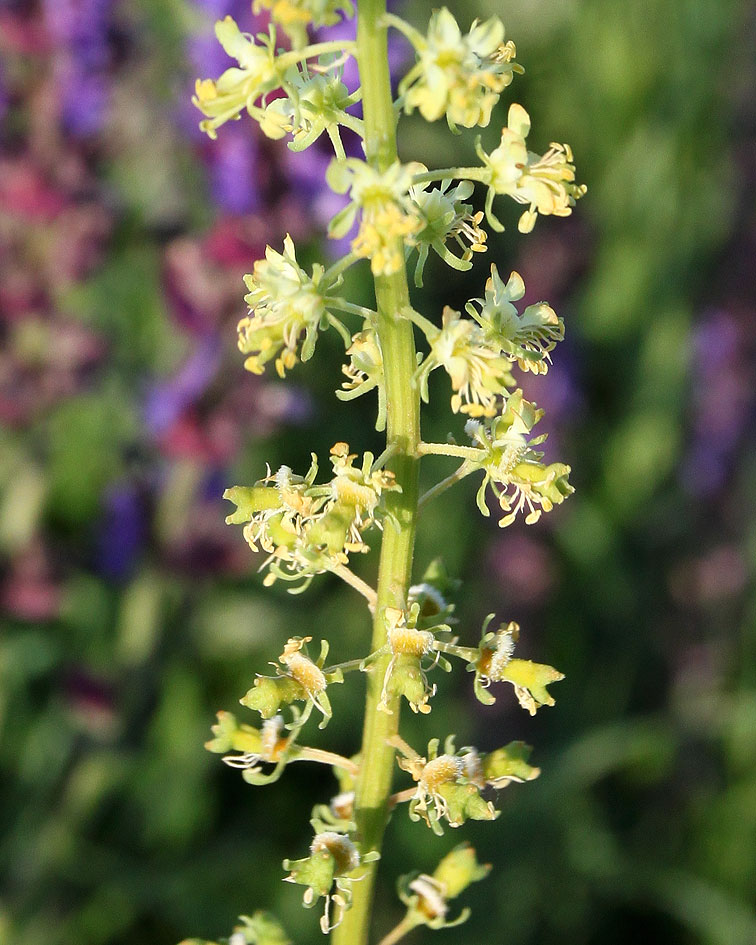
[[303, 523]]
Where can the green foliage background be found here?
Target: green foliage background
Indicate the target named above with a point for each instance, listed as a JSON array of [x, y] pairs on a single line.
[[117, 828]]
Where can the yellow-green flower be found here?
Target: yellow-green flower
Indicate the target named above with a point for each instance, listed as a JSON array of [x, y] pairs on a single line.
[[239, 87], [427, 897], [328, 874], [479, 375], [412, 655], [446, 218], [527, 338], [316, 102], [448, 785], [545, 182], [359, 487], [513, 468], [285, 304], [457, 75], [294, 16], [365, 372], [262, 928], [257, 747], [388, 217], [299, 679], [307, 529], [493, 661]]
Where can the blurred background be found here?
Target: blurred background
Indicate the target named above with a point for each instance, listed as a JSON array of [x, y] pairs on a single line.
[[131, 613]]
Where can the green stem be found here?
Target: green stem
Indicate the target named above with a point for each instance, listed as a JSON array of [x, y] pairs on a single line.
[[340, 266], [350, 578], [464, 470], [350, 308], [353, 123], [287, 59], [451, 449], [349, 666], [373, 787], [398, 932], [466, 653], [481, 174], [325, 757]]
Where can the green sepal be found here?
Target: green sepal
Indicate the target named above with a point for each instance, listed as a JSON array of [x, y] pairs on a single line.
[[550, 481], [458, 869], [339, 176], [269, 693], [463, 802], [481, 692], [480, 499], [332, 529], [230, 736], [530, 681], [249, 500], [281, 535], [509, 763], [343, 222], [262, 928], [408, 680], [317, 871]]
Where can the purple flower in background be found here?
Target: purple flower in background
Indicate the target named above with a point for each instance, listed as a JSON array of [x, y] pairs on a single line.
[[4, 97], [558, 393], [122, 532], [206, 54], [168, 400], [722, 398], [90, 699], [524, 566], [235, 170], [79, 32], [234, 159]]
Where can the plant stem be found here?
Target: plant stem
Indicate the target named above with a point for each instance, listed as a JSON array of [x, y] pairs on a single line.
[[397, 341], [480, 174], [450, 449], [398, 932], [464, 470], [284, 60], [346, 667], [327, 758], [341, 265], [342, 571]]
